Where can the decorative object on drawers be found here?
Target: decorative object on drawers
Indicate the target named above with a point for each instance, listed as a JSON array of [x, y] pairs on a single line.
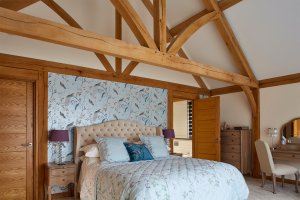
[[236, 149], [60, 175]]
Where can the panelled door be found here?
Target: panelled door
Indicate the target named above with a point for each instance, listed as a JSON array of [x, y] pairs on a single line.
[[206, 128], [16, 135]]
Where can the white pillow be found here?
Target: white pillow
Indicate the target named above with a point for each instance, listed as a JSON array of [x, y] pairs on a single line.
[[90, 151], [112, 149], [156, 146]]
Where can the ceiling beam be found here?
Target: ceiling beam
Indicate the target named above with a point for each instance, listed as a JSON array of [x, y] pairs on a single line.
[[251, 99], [198, 79], [224, 4], [177, 42], [265, 83], [16, 4], [33, 27], [281, 80], [69, 20], [160, 25], [134, 22], [118, 35], [13, 61], [230, 39]]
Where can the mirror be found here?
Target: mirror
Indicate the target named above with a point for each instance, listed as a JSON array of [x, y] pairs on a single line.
[[291, 131]]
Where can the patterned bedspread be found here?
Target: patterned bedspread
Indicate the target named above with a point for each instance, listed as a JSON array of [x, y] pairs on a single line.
[[175, 178]]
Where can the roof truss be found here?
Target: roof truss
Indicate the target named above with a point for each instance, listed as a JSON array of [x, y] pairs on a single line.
[[37, 28]]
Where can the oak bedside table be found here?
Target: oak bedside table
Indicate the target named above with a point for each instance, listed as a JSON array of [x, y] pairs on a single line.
[[60, 175]]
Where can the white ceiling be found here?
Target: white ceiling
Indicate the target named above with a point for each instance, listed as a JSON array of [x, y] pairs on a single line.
[[267, 30]]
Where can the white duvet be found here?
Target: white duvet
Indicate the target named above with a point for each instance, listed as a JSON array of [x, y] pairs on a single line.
[[174, 178]]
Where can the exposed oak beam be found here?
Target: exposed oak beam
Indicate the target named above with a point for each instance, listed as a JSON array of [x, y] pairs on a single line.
[[134, 22], [118, 35], [224, 4], [45, 30], [16, 4], [69, 20], [230, 39], [265, 83], [55, 67], [130, 67], [149, 6], [225, 90], [160, 25], [177, 42], [234, 47], [251, 99], [281, 80]]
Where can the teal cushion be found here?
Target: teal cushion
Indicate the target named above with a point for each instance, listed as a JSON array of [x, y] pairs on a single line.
[[138, 152]]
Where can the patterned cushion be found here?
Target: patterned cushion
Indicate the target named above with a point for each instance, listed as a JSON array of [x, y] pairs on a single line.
[[156, 146], [138, 152], [112, 149]]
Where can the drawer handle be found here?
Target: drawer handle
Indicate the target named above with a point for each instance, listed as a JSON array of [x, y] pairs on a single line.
[[63, 179], [293, 155], [63, 171]]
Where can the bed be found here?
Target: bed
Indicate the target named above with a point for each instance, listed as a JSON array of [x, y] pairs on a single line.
[[169, 178]]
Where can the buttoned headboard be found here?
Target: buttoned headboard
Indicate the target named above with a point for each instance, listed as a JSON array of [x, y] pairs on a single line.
[[118, 128]]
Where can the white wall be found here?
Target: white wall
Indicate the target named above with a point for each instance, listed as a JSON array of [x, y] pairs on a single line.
[[235, 110], [180, 119], [278, 105]]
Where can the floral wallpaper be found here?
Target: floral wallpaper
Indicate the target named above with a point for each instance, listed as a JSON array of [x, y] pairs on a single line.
[[78, 101]]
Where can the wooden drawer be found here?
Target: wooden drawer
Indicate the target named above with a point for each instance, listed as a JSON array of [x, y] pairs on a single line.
[[231, 134], [231, 148], [230, 157], [285, 156], [231, 140], [62, 180], [62, 172]]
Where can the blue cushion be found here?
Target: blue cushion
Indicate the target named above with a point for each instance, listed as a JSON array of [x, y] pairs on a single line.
[[138, 152]]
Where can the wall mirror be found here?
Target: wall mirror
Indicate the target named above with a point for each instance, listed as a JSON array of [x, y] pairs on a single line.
[[291, 131]]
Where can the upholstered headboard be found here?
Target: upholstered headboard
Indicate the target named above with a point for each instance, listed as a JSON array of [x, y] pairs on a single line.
[[118, 128]]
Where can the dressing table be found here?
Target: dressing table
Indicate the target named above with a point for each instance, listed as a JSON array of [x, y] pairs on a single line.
[[286, 152], [290, 150]]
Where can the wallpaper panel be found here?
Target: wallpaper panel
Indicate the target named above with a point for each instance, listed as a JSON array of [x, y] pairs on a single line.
[[78, 101]]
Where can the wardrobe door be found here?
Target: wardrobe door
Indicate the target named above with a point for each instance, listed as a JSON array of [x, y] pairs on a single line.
[[16, 133], [206, 128]]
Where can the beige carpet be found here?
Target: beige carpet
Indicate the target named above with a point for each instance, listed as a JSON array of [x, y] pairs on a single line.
[[258, 193]]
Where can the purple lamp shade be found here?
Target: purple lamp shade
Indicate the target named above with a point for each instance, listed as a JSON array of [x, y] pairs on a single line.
[[59, 136], [169, 133]]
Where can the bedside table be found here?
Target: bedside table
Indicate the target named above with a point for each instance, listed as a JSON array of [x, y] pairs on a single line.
[[176, 154], [60, 175]]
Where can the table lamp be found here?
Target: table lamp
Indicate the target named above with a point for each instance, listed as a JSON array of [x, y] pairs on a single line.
[[59, 136], [168, 134], [273, 132]]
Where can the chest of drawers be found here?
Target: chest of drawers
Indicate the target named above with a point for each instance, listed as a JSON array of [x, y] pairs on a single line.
[[236, 149]]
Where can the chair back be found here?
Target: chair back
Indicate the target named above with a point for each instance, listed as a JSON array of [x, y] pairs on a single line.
[[264, 156]]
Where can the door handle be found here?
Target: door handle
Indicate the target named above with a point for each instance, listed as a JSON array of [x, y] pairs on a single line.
[[27, 144]]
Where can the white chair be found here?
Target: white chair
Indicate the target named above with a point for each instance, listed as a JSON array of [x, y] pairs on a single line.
[[267, 165]]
